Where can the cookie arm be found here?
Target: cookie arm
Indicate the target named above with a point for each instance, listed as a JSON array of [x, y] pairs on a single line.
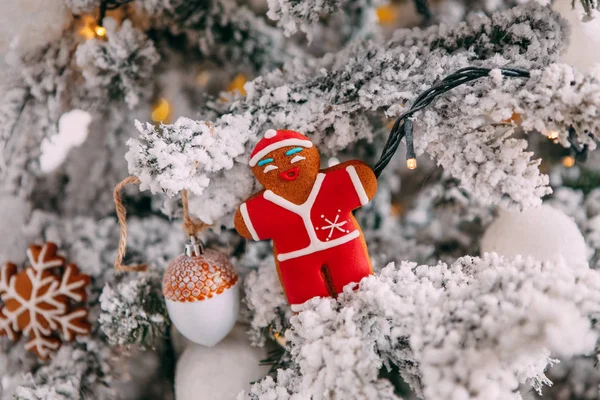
[[363, 178], [243, 224], [367, 178]]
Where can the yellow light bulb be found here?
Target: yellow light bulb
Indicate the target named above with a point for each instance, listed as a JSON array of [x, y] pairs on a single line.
[[386, 14], [100, 31], [568, 161], [278, 337], [161, 111], [281, 339], [238, 84], [411, 163], [552, 135]]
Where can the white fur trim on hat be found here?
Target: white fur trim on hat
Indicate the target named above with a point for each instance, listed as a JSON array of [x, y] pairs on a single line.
[[277, 145], [270, 133]]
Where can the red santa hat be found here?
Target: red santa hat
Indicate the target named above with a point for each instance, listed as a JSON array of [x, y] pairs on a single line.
[[274, 140]]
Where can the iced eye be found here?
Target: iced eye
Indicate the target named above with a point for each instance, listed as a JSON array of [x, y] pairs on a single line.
[[293, 151], [297, 158], [265, 161], [269, 168]]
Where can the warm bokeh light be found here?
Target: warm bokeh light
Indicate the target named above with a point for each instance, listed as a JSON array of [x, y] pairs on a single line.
[[552, 135], [411, 163], [100, 31], [87, 27], [387, 14], [161, 111], [568, 161], [238, 84]]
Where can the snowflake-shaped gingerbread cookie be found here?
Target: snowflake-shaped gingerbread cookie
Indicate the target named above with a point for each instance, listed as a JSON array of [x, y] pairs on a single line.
[[38, 301]]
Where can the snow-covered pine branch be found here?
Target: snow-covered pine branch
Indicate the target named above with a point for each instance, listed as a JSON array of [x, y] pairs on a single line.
[[63, 75], [120, 67], [80, 370], [344, 97], [82, 6], [457, 10], [467, 134], [223, 32], [478, 328], [268, 305], [443, 223], [134, 312], [350, 18]]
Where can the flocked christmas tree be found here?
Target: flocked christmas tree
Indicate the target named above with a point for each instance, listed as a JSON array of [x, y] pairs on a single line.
[[478, 291]]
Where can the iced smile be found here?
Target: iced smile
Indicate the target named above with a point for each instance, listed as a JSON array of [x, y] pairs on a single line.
[[290, 175]]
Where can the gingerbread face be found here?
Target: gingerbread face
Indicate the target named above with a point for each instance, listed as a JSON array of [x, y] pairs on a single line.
[[286, 167]]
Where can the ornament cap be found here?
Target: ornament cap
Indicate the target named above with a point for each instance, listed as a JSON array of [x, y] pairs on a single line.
[[194, 248]]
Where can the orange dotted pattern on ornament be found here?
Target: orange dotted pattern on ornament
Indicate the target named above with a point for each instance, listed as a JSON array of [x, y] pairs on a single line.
[[198, 278]]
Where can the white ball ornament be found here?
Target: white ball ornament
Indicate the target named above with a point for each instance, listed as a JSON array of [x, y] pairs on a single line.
[[543, 233], [219, 372], [201, 291]]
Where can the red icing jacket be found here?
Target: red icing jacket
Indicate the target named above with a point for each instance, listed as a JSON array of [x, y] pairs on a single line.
[[322, 222]]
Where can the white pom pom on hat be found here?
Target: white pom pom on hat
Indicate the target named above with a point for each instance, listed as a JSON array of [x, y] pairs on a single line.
[[270, 133]]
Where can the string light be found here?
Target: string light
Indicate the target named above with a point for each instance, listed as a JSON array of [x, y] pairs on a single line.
[[87, 27], [108, 5], [568, 161], [161, 111], [403, 126], [90, 28], [423, 9], [411, 163], [552, 135], [278, 337], [100, 31]]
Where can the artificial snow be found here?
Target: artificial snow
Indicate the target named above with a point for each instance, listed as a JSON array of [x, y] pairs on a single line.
[[72, 132], [476, 329]]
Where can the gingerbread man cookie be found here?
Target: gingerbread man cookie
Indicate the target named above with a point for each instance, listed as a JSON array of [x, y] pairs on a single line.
[[318, 245]]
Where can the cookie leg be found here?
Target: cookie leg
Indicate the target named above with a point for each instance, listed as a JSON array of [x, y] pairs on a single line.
[[302, 278], [348, 263]]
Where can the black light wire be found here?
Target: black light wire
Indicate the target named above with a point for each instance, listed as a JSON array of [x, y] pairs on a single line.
[[422, 8], [403, 126], [106, 5]]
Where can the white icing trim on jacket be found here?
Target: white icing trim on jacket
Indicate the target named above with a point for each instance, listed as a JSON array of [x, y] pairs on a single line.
[[248, 222], [358, 186], [303, 210]]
